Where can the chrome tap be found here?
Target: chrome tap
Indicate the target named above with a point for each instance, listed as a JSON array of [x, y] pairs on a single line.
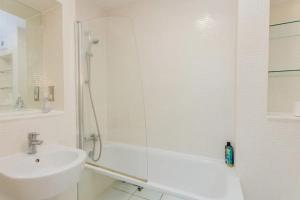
[[33, 142]]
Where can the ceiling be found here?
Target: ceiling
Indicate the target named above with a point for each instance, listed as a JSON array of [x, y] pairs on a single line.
[[18, 9], [279, 1], [109, 4], [40, 5]]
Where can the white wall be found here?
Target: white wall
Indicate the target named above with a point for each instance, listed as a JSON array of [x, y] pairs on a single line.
[[187, 56], [268, 150], [58, 129], [53, 54]]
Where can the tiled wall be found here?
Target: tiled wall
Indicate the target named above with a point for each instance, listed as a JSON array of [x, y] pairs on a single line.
[[53, 53], [268, 150], [187, 57]]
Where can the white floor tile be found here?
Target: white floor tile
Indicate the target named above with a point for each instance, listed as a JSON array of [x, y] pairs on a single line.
[[113, 194], [149, 194], [170, 197], [125, 187], [136, 198]]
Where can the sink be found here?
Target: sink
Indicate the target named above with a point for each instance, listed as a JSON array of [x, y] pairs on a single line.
[[44, 175]]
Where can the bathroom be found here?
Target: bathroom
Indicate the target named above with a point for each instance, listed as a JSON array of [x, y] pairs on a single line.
[[137, 99]]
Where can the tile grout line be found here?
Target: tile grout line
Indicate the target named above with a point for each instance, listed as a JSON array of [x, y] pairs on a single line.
[[162, 194], [130, 194], [116, 188], [134, 195]]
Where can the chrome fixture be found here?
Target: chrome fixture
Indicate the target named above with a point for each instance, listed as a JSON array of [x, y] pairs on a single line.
[[91, 43], [19, 103], [36, 93], [84, 83], [51, 93], [89, 55], [92, 138], [33, 142]]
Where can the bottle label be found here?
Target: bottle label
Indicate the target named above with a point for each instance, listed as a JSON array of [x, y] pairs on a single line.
[[229, 156]]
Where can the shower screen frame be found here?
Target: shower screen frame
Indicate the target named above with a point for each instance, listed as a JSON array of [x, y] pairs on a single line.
[[80, 125]]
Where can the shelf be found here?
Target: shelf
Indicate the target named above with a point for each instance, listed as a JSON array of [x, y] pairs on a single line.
[[284, 71], [2, 71], [5, 54], [28, 114], [285, 23], [6, 88], [285, 30], [282, 116]]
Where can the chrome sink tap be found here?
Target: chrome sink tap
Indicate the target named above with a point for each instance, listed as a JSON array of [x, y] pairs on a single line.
[[33, 142]]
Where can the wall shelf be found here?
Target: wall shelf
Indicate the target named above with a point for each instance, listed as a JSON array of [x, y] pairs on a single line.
[[7, 70], [7, 55], [282, 116], [284, 71], [285, 30], [28, 114], [285, 23], [6, 88]]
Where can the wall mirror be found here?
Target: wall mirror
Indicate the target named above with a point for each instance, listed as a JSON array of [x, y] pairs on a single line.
[[30, 55], [284, 58]]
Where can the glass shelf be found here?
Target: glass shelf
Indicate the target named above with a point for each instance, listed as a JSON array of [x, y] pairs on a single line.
[[285, 30], [285, 23], [6, 88], [284, 70], [7, 70]]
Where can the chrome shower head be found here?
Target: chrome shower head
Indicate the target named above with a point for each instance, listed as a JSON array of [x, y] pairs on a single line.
[[95, 41], [89, 48]]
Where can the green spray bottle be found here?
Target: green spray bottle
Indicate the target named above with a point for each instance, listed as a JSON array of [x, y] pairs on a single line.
[[229, 155]]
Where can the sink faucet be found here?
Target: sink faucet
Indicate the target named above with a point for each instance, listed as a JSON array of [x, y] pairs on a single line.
[[33, 142]]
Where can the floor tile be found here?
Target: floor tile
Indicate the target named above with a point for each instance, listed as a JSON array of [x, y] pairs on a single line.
[[113, 194], [170, 197], [125, 187], [136, 198], [149, 194]]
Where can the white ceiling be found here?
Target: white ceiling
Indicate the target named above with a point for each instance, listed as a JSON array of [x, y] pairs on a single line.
[[278, 1], [109, 4], [40, 5]]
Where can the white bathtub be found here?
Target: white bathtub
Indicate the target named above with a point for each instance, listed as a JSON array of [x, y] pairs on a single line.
[[191, 177]]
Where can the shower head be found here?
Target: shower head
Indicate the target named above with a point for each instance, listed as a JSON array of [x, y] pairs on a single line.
[[91, 41], [90, 44], [95, 41]]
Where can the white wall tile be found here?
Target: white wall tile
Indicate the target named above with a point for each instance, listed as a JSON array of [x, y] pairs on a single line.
[[267, 152], [149, 194], [187, 55]]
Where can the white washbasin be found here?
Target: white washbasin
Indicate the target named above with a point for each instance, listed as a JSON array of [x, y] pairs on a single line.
[[51, 171]]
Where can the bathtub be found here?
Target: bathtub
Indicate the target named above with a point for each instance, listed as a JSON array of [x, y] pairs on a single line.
[[187, 176]]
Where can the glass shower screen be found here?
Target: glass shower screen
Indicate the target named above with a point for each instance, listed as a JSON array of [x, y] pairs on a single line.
[[111, 113]]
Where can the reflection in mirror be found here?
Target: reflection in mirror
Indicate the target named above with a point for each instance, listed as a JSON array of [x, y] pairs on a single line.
[[30, 55], [284, 58]]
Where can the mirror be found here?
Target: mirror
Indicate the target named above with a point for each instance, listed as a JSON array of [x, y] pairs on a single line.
[[284, 57], [30, 55]]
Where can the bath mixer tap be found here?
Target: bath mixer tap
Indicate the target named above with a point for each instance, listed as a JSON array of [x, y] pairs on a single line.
[[33, 142]]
